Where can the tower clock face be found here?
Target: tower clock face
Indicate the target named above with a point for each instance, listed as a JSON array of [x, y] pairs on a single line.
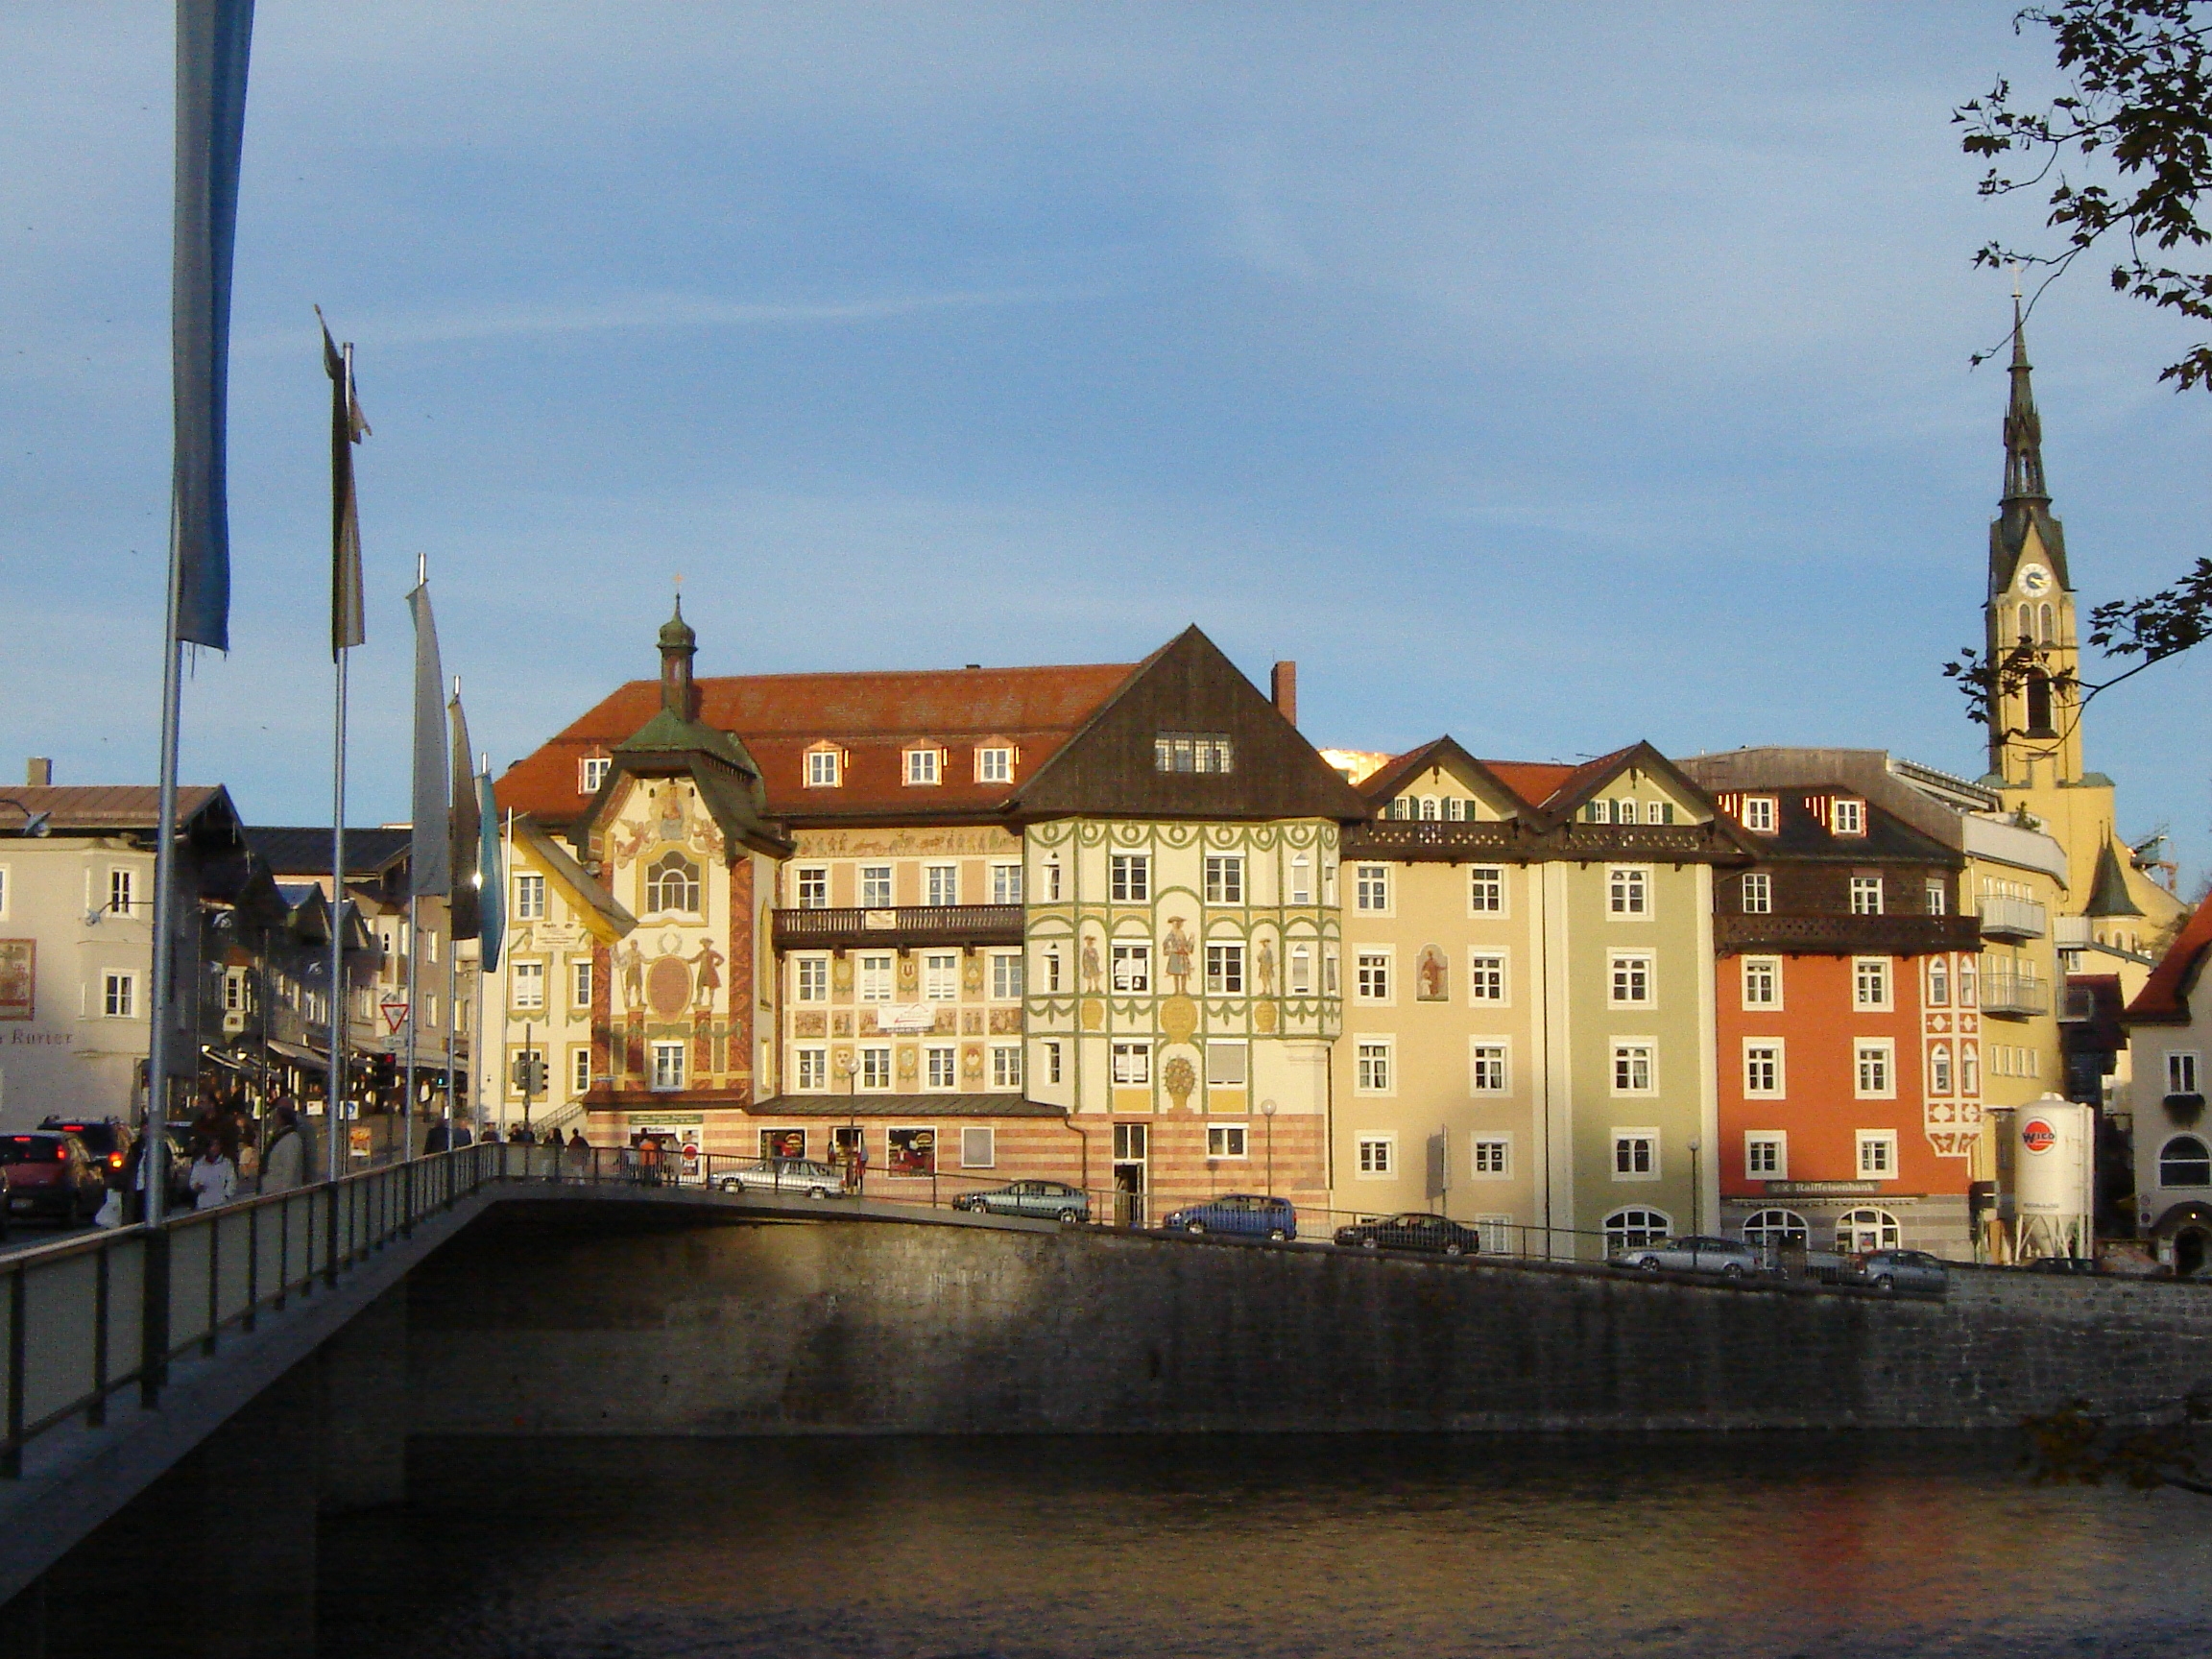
[[2035, 579]]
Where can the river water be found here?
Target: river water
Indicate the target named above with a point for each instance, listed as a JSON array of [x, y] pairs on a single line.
[[1739, 1548]]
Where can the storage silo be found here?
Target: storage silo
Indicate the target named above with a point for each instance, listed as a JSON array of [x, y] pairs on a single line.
[[2053, 1176]]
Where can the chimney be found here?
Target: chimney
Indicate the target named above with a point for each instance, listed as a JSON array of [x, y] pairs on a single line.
[[1283, 687], [39, 774]]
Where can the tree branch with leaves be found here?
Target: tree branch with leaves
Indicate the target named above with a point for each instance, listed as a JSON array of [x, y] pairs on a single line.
[[2144, 1446]]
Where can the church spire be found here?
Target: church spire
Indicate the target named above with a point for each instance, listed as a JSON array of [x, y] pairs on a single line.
[[2023, 427]]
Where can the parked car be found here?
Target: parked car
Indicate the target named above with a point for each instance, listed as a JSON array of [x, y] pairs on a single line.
[[808, 1175], [104, 1138], [1893, 1270], [1054, 1199], [1251, 1214], [1730, 1257], [1413, 1230], [2064, 1265], [51, 1174]]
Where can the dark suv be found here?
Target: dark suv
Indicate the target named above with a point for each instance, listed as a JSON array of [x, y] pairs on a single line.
[[52, 1174], [103, 1137]]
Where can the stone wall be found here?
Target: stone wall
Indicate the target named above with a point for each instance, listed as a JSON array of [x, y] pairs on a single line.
[[545, 1318]]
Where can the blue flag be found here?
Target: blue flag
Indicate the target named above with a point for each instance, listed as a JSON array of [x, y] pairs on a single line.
[[492, 897], [213, 39]]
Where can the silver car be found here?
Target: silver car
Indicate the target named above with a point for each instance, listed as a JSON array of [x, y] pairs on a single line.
[[1051, 1199], [1893, 1270], [1730, 1257], [807, 1175]]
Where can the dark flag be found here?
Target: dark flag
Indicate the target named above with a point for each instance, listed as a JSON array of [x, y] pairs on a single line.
[[492, 897], [213, 39], [430, 861], [467, 833], [348, 614]]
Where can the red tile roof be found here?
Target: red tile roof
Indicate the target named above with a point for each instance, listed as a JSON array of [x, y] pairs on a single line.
[[1535, 781], [2164, 996], [874, 717]]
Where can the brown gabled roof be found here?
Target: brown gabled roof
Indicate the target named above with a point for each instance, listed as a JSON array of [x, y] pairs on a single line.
[[1534, 781], [102, 808], [2164, 1000], [1380, 785], [874, 717]]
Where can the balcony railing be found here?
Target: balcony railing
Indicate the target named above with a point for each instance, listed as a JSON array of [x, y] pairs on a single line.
[[2005, 918], [2015, 996], [897, 927], [1846, 935], [1401, 837]]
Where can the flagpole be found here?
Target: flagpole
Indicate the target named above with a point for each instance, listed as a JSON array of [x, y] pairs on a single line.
[[506, 978], [160, 1005], [414, 1023], [335, 1089]]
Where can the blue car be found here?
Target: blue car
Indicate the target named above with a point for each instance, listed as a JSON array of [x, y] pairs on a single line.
[[1249, 1214]]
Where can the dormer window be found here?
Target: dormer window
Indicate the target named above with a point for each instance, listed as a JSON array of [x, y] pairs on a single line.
[[995, 765], [1847, 817], [1455, 808], [1193, 752], [595, 772], [1759, 814], [922, 767], [825, 767]]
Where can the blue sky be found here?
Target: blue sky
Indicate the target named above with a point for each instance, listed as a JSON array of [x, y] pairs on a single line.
[[1551, 376]]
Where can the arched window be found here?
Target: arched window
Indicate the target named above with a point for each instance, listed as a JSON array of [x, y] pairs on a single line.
[[1938, 984], [1430, 811], [672, 884], [1939, 1068], [1866, 1230], [1776, 1227], [2185, 1162], [2039, 705], [1633, 1229], [2047, 628]]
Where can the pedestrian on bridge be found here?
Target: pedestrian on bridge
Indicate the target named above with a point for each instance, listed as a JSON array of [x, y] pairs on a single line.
[[284, 1165], [214, 1178], [578, 1154]]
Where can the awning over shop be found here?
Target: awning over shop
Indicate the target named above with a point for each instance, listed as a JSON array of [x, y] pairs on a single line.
[[298, 1054]]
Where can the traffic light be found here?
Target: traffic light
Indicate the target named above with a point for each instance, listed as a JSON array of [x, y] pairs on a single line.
[[529, 1074]]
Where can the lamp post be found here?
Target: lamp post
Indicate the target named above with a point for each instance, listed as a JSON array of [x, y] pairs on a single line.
[[1696, 1220], [1267, 1111]]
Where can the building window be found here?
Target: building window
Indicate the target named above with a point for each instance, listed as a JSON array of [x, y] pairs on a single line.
[[1762, 1068], [994, 765], [910, 1151], [1875, 1071], [1870, 982], [1371, 887], [1859, 1230], [1006, 977], [1493, 1157], [1969, 1065], [940, 884], [1631, 1067], [812, 1069], [1005, 1065], [1758, 893], [1762, 981], [672, 885], [1225, 970], [119, 996], [1938, 984], [2185, 1160], [1372, 981], [1193, 752], [1628, 892], [529, 985], [1486, 1068], [1939, 1068], [1767, 1155], [813, 886], [921, 766], [594, 772], [940, 1066], [1129, 878], [1373, 1062], [120, 886], [1776, 1227], [1052, 968], [823, 768], [1329, 975], [578, 1071], [1133, 969], [874, 978], [1849, 818], [1759, 813], [1300, 880], [1052, 1062], [941, 976], [1300, 969], [1865, 894], [1132, 1064], [1966, 991], [1877, 1154], [667, 1066], [2181, 1074], [580, 982], [529, 898], [1226, 1065], [1635, 1154], [1005, 883], [1224, 879], [1630, 981], [1225, 1141], [810, 980], [1634, 1229], [1377, 1155], [875, 1066], [1486, 890], [1486, 977], [1939, 899], [876, 886]]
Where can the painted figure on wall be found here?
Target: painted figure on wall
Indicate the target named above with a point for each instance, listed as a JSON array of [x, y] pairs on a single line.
[[1175, 955], [1092, 967], [709, 978], [1432, 977], [631, 962], [1263, 968]]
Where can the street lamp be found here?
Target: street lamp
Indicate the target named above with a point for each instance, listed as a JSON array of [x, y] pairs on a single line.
[[1267, 1111], [36, 825]]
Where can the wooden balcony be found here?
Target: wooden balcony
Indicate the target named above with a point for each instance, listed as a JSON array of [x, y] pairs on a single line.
[[1846, 935], [900, 928]]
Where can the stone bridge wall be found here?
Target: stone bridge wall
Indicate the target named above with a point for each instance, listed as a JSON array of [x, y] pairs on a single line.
[[586, 1319]]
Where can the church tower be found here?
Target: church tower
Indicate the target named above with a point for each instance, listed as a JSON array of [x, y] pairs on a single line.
[[2034, 729]]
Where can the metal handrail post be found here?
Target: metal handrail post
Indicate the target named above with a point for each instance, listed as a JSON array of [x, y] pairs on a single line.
[[96, 1414], [18, 1302]]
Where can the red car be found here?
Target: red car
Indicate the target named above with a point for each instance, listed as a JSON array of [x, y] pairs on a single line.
[[52, 1174]]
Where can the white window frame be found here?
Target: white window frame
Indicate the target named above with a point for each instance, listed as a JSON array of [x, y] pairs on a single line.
[[1629, 893], [1298, 968], [940, 884], [1371, 887], [670, 1066], [1880, 1144], [1774, 1144], [119, 995], [1751, 973], [1225, 882], [1052, 1061], [1374, 976], [1485, 883], [1625, 1141], [1489, 1067], [122, 890], [1006, 884], [1485, 968], [1227, 1141], [978, 1146], [595, 770], [1374, 1065], [1129, 967], [810, 1067], [529, 896], [529, 984], [1493, 1148], [580, 1068], [1883, 976], [940, 975], [5, 884], [1938, 896], [924, 767], [869, 1061], [1375, 1158], [1759, 814], [1772, 1051], [580, 982], [1224, 1056], [1886, 1047], [939, 1060], [875, 975], [1132, 1065], [877, 887], [1301, 878], [1628, 1049], [810, 980], [1008, 1071], [1008, 976], [995, 765], [1225, 968], [825, 768], [1758, 893], [1129, 878], [810, 887], [1864, 888], [1938, 992], [2186, 1065], [1621, 973]]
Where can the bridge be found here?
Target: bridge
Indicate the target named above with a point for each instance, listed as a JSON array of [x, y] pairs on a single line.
[[251, 1368]]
